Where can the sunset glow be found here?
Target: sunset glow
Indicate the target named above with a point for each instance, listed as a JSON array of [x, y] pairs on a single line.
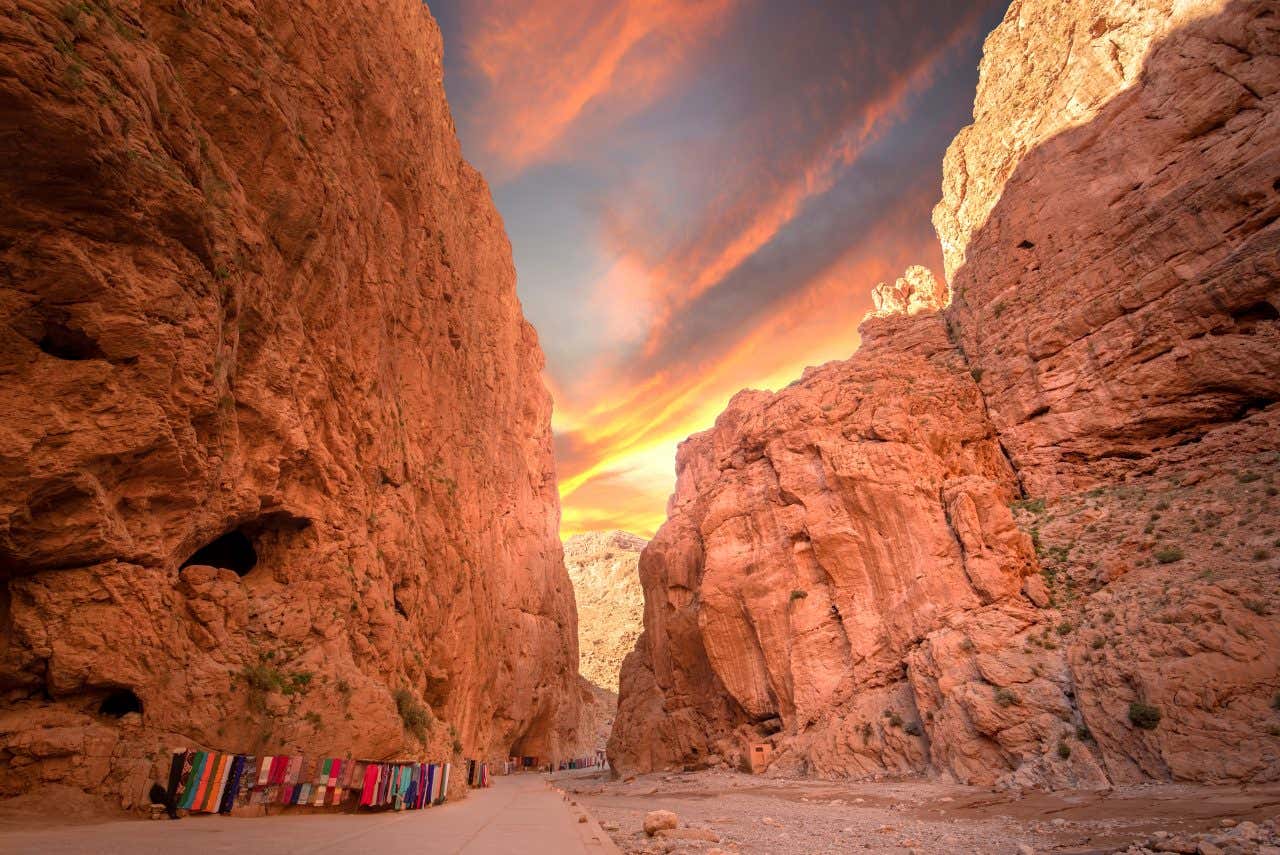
[[700, 196]]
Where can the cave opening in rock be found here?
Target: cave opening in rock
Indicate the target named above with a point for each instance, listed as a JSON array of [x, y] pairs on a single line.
[[63, 342], [263, 541], [120, 703], [1248, 318], [232, 551]]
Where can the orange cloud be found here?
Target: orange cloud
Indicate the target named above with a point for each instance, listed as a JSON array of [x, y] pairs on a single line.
[[702, 264], [546, 64], [622, 466]]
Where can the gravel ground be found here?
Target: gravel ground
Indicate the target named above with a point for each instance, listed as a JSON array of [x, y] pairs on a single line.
[[788, 817]]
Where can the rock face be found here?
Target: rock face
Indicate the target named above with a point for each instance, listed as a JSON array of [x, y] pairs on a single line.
[[276, 459], [603, 568], [1031, 539]]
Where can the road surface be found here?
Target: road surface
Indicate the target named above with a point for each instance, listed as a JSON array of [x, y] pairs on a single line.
[[519, 815]]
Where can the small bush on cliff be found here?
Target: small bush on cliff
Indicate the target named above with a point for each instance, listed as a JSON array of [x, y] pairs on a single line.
[[798, 594], [262, 679], [1169, 554], [914, 728], [1035, 506], [1005, 698], [416, 717], [1144, 716], [1064, 750]]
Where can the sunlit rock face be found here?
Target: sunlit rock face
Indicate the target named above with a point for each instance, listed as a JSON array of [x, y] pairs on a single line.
[[606, 582], [261, 321], [1029, 540]]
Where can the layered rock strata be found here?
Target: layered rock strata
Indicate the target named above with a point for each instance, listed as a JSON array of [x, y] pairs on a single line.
[[276, 465], [841, 574]]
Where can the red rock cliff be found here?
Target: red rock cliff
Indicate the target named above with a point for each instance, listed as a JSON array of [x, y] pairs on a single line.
[[261, 321], [1031, 539]]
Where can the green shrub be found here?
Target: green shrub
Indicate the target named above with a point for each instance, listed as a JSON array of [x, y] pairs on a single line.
[[1065, 627], [798, 594], [1005, 698], [914, 728], [1064, 750], [416, 717], [1144, 716], [1035, 506], [1098, 642], [1083, 733], [1169, 554]]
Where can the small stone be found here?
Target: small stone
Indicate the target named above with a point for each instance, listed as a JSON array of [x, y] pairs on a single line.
[[656, 820], [1059, 821], [1247, 830], [1227, 822], [1024, 849]]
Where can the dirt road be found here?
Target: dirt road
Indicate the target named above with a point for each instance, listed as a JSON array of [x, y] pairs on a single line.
[[778, 817]]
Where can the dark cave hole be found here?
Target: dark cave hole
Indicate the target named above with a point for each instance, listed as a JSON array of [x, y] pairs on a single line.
[[63, 342], [1248, 318], [1251, 406], [1026, 244], [232, 551], [120, 703]]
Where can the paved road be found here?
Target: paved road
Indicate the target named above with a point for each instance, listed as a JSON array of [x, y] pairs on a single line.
[[519, 815]]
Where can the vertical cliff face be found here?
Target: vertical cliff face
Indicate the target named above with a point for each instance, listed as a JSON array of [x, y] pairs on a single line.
[[1118, 297], [275, 445], [841, 573], [603, 568]]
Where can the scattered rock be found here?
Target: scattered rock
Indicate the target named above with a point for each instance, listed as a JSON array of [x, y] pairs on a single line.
[[657, 820]]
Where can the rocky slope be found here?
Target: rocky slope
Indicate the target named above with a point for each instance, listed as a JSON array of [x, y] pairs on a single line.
[[276, 465], [606, 584], [1031, 539]]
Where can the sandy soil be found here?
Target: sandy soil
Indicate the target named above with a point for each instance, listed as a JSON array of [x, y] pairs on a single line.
[[785, 817]]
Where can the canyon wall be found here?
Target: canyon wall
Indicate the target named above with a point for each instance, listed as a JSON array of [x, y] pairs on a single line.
[[275, 467], [606, 583], [1029, 539], [602, 566]]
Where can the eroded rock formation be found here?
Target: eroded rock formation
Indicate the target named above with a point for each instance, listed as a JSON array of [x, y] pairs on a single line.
[[603, 568], [841, 573], [275, 463]]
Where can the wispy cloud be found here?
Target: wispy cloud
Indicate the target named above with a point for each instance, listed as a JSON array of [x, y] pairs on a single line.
[[547, 64], [701, 194]]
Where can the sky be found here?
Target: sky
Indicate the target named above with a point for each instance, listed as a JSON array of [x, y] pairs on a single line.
[[700, 196]]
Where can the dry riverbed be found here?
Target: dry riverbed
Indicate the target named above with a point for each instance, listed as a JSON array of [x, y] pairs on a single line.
[[751, 814]]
